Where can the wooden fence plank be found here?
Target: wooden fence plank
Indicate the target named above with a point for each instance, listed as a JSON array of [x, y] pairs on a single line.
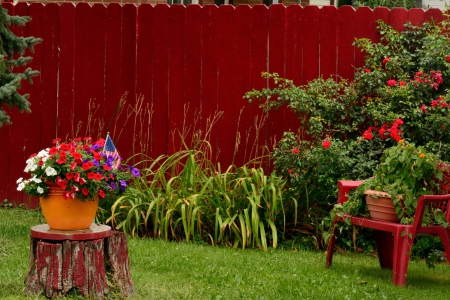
[[82, 69], [255, 119], [398, 18], [311, 43], [33, 136], [49, 74], [227, 100], [161, 81], [416, 16], [277, 29], [346, 52], [193, 49], [112, 69], [364, 27], [379, 14], [328, 27], [66, 71], [209, 73], [294, 43], [96, 82], [242, 79], [177, 70], [434, 14], [144, 70], [128, 140]]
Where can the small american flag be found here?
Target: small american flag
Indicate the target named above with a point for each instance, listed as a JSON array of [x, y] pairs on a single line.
[[110, 150]]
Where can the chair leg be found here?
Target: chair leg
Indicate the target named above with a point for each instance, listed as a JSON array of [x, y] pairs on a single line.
[[402, 250], [330, 251], [385, 248]]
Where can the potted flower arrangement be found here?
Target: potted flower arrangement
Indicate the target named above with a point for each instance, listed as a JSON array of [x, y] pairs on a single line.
[[405, 173], [73, 176]]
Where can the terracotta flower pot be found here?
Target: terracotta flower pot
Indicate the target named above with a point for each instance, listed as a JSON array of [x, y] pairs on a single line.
[[67, 214], [381, 207]]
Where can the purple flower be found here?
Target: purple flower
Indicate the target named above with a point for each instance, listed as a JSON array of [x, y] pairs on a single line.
[[96, 163], [95, 147], [122, 184], [135, 172], [113, 185]]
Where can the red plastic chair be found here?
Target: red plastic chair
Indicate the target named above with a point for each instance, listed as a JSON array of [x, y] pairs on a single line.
[[393, 240]]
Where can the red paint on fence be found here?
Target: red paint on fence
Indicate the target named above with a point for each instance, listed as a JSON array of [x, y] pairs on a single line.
[[187, 63]]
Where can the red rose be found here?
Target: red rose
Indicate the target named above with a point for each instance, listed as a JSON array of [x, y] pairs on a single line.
[[326, 144], [386, 60], [448, 58], [295, 151], [392, 82], [367, 70]]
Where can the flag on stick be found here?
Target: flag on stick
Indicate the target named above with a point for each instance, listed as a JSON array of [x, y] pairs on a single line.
[[110, 150]]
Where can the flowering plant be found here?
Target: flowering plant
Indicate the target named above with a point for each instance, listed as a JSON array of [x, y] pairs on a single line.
[[80, 167]]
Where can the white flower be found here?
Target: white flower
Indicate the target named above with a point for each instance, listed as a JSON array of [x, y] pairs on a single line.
[[21, 186], [19, 180], [50, 171], [43, 153], [37, 180], [40, 190]]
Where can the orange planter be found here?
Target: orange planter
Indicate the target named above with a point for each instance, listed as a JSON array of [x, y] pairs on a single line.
[[67, 214], [381, 207]]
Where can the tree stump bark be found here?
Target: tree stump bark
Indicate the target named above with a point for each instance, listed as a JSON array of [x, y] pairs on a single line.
[[58, 266]]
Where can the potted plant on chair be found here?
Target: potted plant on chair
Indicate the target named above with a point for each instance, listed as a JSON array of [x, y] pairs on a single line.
[[405, 173]]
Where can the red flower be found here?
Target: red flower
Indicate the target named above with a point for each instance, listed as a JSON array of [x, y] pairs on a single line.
[[423, 108], [290, 171], [326, 144], [76, 177], [392, 82], [434, 103], [69, 176], [448, 58], [91, 175], [367, 70], [368, 134], [65, 147], [100, 142], [87, 166], [77, 155], [85, 191], [108, 168], [295, 151], [56, 141], [398, 121], [418, 74], [101, 193], [98, 176], [61, 161], [402, 83], [381, 131], [73, 166], [53, 150], [386, 60], [97, 156]]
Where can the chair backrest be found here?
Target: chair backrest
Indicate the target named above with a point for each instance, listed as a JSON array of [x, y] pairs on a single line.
[[444, 185]]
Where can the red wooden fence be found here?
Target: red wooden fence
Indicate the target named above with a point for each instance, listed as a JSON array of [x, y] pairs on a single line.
[[202, 57]]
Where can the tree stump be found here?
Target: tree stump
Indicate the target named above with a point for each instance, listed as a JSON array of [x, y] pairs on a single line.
[[81, 259]]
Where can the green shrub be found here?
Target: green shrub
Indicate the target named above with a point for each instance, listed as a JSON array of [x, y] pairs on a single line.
[[400, 93]]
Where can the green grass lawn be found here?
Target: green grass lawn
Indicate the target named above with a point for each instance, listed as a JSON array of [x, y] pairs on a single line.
[[162, 270]]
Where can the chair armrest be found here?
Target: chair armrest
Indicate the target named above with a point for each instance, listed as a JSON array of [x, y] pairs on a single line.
[[344, 188], [426, 199]]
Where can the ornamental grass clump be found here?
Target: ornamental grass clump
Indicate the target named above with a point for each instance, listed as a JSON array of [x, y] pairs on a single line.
[[81, 167]]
